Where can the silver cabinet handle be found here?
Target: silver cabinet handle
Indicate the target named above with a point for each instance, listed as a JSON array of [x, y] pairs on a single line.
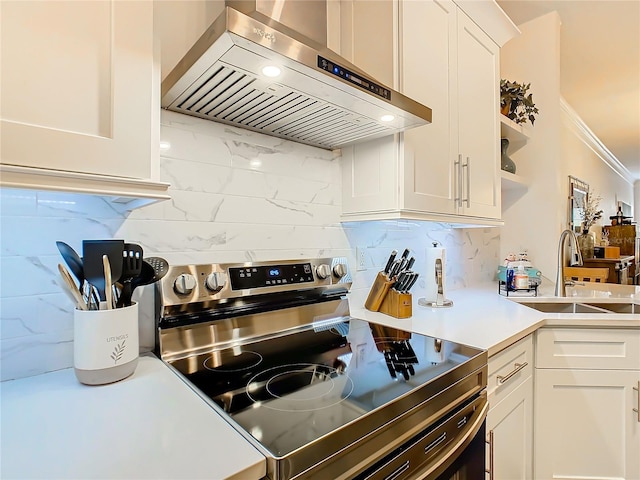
[[519, 366], [637, 410], [468, 167], [458, 166], [490, 442]]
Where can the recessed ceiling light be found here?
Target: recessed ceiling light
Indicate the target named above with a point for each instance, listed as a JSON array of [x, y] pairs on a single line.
[[271, 71], [165, 145], [387, 118]]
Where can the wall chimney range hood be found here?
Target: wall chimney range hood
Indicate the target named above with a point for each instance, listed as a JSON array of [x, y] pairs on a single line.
[[263, 65]]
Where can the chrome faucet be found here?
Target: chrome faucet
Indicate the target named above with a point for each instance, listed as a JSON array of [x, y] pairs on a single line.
[[576, 259]]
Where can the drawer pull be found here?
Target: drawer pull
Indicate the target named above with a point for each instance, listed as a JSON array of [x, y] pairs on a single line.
[[637, 410], [519, 366]]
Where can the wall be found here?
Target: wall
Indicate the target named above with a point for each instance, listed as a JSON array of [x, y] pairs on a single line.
[[559, 145], [586, 158], [535, 217], [236, 196]]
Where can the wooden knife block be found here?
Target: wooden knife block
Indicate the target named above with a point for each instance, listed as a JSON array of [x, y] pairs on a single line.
[[390, 302]]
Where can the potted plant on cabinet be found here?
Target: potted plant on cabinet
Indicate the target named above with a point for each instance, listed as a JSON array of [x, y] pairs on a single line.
[[515, 103]]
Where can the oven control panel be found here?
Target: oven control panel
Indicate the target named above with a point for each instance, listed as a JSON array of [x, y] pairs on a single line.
[[184, 284], [270, 275]]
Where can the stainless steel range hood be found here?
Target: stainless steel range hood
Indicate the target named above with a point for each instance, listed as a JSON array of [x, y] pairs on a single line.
[[318, 99]]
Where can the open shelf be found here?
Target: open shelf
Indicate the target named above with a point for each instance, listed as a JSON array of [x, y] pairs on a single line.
[[516, 134], [512, 181]]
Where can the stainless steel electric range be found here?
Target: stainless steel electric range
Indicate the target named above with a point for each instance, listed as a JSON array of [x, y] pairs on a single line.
[[272, 348]]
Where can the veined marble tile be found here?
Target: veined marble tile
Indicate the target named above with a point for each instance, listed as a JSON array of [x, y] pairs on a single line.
[[278, 237], [71, 205], [35, 354], [28, 276], [16, 202], [314, 165], [31, 236], [199, 147], [190, 176], [161, 235], [39, 314]]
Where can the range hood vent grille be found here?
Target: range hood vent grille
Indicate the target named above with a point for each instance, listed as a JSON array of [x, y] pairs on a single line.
[[237, 98], [320, 99]]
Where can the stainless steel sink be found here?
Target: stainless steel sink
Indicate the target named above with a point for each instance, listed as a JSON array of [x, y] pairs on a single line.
[[572, 306]]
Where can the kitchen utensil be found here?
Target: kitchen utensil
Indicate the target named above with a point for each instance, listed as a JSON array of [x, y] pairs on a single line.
[[153, 269], [392, 257], [132, 258], [73, 261], [71, 288], [108, 285], [160, 267], [93, 250]]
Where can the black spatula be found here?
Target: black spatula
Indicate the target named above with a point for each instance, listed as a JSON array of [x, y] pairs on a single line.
[[132, 259], [92, 252]]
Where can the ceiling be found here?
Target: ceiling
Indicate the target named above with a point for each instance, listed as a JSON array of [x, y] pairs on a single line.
[[599, 66]]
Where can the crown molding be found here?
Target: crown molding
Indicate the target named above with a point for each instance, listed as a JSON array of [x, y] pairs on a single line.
[[584, 133]]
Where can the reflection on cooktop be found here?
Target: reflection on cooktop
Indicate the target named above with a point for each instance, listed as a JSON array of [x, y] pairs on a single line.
[[299, 387]]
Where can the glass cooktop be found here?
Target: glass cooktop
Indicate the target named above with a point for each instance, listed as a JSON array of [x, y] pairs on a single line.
[[291, 389]]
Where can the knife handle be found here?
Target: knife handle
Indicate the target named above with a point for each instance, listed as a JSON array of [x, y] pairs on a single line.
[[392, 257]]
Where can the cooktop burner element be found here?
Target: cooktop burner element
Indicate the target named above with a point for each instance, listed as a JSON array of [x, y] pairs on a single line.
[[301, 387], [315, 390], [228, 361]]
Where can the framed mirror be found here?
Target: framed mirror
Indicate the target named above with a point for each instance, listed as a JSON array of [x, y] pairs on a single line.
[[578, 193]]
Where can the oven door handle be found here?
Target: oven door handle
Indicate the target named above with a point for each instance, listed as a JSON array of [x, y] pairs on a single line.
[[459, 444]]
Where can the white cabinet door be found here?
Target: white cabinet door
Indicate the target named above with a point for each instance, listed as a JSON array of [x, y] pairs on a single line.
[[370, 179], [510, 435], [478, 121], [80, 89], [586, 426], [427, 74]]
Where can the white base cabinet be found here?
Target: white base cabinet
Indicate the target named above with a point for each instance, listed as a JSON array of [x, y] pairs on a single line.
[[80, 98], [510, 416], [587, 424]]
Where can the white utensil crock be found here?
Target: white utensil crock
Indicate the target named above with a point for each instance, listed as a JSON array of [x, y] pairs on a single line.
[[105, 344]]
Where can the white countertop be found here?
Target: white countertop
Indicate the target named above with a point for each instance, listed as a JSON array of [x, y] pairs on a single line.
[[480, 317], [150, 425]]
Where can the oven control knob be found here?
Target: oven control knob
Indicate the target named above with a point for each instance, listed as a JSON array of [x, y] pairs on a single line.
[[339, 270], [184, 284], [323, 271], [215, 281]]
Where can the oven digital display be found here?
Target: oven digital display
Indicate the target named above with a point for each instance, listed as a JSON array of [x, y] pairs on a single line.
[[273, 272], [243, 278]]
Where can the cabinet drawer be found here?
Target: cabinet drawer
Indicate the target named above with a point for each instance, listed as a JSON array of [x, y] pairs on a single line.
[[509, 368], [598, 349]]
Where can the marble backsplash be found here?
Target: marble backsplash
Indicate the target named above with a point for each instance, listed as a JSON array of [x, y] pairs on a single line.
[[236, 196]]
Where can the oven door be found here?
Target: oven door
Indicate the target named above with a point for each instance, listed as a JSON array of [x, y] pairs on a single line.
[[454, 448]]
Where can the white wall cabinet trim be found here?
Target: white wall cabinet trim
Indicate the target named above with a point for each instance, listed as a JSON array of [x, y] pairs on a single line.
[[130, 191]]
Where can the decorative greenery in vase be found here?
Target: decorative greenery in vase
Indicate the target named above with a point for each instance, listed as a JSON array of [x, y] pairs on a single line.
[[589, 211], [515, 103]]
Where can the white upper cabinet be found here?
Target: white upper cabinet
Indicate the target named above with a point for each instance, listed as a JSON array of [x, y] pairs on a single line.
[[80, 98], [448, 170]]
